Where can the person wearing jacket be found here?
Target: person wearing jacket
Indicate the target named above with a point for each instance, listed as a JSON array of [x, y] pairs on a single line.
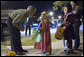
[[15, 24]]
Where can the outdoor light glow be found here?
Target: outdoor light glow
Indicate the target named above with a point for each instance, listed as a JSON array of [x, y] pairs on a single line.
[[40, 17], [35, 24], [59, 17], [27, 18], [51, 13], [52, 17]]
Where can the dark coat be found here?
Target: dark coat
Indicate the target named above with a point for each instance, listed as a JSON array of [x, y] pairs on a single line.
[[68, 32]]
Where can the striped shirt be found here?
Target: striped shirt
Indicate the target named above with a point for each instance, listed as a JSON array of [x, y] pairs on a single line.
[[19, 16]]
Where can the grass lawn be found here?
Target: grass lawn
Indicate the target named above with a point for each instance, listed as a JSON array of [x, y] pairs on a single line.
[[28, 41]]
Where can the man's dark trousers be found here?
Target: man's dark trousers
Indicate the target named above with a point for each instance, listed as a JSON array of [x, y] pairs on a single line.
[[15, 38], [76, 27]]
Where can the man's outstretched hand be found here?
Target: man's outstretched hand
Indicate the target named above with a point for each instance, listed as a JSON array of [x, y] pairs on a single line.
[[22, 29], [18, 27]]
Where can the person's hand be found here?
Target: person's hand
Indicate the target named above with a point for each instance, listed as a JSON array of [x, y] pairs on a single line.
[[38, 30], [22, 29], [64, 27], [64, 16]]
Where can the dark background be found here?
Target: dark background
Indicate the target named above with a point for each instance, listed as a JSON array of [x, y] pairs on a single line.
[[40, 5]]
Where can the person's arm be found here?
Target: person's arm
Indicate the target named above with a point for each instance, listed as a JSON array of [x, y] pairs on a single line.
[[15, 19], [13, 14], [40, 26], [18, 27], [18, 19], [75, 11], [16, 24]]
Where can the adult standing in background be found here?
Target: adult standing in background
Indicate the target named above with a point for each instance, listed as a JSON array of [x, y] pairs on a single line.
[[76, 12]]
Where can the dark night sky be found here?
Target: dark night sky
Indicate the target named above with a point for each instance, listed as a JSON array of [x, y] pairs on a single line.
[[40, 5]]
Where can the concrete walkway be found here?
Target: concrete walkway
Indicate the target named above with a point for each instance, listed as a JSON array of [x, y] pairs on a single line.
[[57, 49]]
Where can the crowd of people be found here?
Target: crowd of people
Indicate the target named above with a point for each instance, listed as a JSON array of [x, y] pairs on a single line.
[[72, 15]]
